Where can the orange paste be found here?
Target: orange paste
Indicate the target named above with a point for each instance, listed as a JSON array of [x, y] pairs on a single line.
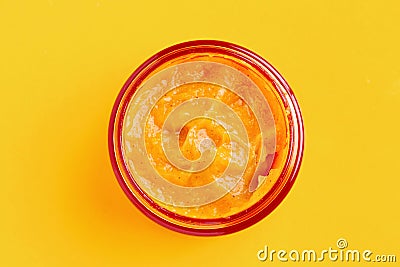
[[193, 132]]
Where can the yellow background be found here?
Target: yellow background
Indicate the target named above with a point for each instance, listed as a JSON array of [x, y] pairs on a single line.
[[62, 64]]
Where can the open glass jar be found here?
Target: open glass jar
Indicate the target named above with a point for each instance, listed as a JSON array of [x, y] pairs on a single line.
[[206, 138]]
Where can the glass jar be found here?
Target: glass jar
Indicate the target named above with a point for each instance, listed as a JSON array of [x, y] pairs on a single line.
[[206, 138]]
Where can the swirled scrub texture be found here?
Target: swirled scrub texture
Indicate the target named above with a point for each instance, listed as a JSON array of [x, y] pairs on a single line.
[[223, 138]]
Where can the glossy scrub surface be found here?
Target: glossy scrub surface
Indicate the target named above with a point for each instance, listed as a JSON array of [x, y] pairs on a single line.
[[251, 186]]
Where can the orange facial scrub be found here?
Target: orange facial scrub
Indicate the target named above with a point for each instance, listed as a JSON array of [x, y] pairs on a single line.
[[260, 152]]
